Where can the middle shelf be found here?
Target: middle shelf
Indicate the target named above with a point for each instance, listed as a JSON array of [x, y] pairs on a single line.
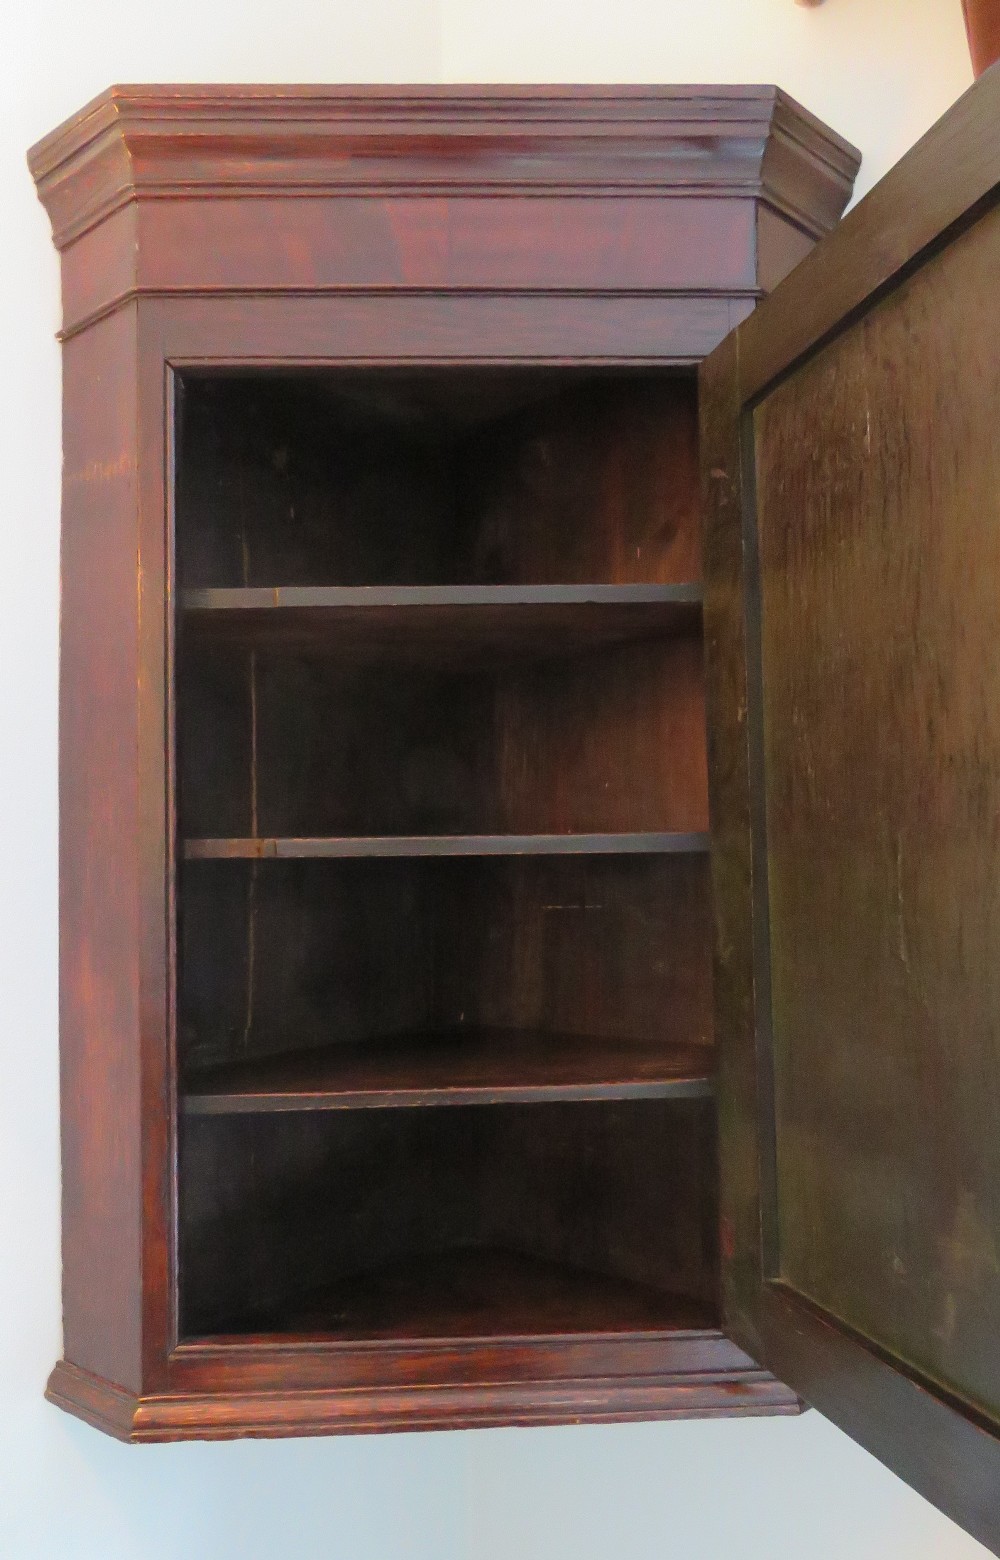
[[455, 1067], [526, 977], [309, 726], [442, 624], [441, 845], [254, 848]]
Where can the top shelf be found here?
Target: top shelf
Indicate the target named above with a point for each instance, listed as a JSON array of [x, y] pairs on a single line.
[[432, 623]]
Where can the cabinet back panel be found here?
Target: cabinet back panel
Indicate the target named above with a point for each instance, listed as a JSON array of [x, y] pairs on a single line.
[[437, 477], [286, 1218], [277, 955], [276, 744]]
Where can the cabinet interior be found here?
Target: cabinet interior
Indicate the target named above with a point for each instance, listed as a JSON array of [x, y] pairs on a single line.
[[443, 910]]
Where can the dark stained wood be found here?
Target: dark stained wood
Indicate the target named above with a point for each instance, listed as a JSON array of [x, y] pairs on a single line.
[[674, 1376], [851, 627], [99, 870], [597, 482], [441, 625], [455, 1068], [286, 954], [473, 476], [445, 845], [382, 330], [583, 173], [480, 1293], [278, 1207], [279, 375], [883, 914], [913, 207], [628, 609], [278, 744]]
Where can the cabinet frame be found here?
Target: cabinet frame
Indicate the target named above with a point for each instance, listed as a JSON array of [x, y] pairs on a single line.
[[159, 277]]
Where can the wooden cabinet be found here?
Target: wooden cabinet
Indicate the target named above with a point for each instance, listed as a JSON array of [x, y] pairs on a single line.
[[443, 657]]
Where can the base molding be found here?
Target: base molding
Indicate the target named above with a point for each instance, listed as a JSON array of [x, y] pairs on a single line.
[[181, 1416]]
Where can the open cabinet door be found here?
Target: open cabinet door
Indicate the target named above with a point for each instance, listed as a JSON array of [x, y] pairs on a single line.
[[851, 448]]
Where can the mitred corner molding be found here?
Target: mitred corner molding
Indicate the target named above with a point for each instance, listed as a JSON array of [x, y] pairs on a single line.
[[167, 142]]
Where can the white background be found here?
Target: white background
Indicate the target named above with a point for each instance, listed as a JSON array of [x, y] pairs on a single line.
[[879, 71]]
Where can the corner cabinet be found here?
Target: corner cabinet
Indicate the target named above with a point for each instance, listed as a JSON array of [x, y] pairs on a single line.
[[400, 1086]]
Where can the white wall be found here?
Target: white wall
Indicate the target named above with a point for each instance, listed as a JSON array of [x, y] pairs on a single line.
[[880, 71]]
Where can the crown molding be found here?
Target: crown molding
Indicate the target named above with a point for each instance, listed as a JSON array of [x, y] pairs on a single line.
[[140, 143]]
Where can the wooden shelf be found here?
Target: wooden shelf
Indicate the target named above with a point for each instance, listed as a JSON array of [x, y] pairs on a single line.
[[443, 624], [478, 1293], [249, 849], [455, 1068]]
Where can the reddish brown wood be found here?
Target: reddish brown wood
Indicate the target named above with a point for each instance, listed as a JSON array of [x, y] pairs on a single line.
[[99, 870], [454, 626], [478, 1294], [281, 1209], [387, 845], [982, 26], [552, 944], [128, 165], [492, 476], [205, 229], [851, 465], [690, 1378], [457, 1068]]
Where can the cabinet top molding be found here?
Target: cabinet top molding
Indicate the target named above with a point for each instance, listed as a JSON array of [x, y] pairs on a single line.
[[135, 143]]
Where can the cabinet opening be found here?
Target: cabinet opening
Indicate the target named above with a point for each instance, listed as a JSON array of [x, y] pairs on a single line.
[[442, 835], [515, 1221], [275, 743], [288, 956], [437, 476]]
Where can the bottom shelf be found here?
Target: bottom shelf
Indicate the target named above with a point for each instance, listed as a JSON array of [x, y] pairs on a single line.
[[588, 1217], [467, 1294]]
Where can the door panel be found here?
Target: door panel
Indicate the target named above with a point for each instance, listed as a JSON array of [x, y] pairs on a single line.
[[853, 624], [880, 662]]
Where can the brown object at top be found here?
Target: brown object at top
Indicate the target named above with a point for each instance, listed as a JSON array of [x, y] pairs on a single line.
[[982, 26]]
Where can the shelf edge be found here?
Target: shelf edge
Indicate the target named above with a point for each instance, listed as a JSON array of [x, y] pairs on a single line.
[[395, 845], [280, 598]]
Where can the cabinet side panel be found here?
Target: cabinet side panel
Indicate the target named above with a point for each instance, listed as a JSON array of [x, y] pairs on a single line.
[[99, 939], [732, 864]]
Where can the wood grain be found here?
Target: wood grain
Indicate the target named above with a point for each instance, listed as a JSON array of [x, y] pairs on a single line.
[[407, 477], [279, 1207], [662, 183], [528, 427], [286, 745], [297, 953], [850, 474], [480, 1293], [460, 1067], [98, 863], [255, 849], [699, 1377], [441, 625], [882, 766]]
